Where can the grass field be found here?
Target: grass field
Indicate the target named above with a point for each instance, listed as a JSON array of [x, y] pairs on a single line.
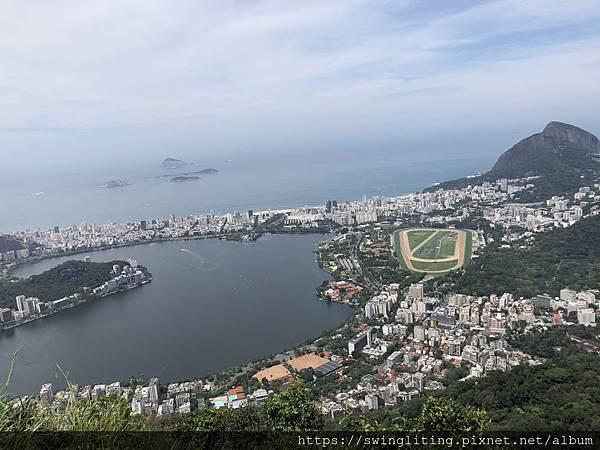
[[431, 250], [442, 244], [415, 237], [433, 266], [448, 243]]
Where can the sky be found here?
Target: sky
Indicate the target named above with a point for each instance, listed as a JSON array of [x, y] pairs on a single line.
[[115, 82]]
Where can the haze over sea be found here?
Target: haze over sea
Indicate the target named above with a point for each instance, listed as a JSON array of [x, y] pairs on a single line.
[[73, 196]]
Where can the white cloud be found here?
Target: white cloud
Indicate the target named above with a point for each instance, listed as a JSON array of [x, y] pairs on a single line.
[[188, 64]]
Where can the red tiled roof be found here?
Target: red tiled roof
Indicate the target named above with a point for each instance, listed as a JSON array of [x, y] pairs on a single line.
[[238, 390]]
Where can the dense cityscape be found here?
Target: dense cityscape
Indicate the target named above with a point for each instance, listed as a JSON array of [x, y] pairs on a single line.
[[401, 343], [442, 207]]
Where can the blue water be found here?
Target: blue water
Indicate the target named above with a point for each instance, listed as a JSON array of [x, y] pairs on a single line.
[[45, 200], [212, 304]]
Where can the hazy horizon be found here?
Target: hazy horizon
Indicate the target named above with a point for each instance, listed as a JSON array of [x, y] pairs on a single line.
[[116, 83]]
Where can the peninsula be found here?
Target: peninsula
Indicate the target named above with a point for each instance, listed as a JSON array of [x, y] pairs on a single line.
[[69, 284]]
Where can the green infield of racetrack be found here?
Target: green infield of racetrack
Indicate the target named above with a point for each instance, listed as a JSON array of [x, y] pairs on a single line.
[[416, 237], [447, 246], [434, 266]]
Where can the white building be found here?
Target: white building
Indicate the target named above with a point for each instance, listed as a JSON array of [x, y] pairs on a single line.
[[586, 316], [568, 295]]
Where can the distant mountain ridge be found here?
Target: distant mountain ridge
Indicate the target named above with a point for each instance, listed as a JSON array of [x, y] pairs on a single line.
[[564, 156]]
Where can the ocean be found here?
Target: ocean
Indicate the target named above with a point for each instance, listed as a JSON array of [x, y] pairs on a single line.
[[213, 304], [47, 200]]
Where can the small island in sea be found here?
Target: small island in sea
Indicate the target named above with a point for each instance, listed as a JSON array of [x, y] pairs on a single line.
[[183, 179], [116, 184], [202, 172], [190, 176], [172, 163]]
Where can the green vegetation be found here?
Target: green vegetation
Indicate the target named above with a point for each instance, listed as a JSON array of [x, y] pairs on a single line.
[[398, 253], [292, 410], [434, 266], [403, 264], [438, 244], [568, 257], [448, 243], [416, 237], [63, 280], [561, 394], [446, 240], [107, 414], [436, 415], [562, 163], [468, 247], [561, 173]]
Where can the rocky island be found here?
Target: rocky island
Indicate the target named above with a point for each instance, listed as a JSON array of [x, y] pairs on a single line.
[[183, 179], [202, 172], [116, 184], [172, 163]]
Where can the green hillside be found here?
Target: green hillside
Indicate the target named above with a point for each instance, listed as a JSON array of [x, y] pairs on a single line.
[[564, 158], [568, 257]]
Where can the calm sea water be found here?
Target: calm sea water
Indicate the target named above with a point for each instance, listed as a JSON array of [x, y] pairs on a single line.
[[215, 305], [45, 200]]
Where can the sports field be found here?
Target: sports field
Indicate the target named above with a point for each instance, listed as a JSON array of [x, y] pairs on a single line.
[[431, 250], [272, 373], [310, 360]]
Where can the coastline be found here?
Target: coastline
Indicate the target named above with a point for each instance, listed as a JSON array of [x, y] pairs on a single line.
[[36, 259], [73, 305]]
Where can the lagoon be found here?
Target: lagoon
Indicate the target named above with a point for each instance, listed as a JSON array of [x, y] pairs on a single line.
[[212, 305]]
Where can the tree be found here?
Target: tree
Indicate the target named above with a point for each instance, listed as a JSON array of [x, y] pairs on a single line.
[[293, 410], [307, 375], [444, 415], [436, 415], [247, 418]]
